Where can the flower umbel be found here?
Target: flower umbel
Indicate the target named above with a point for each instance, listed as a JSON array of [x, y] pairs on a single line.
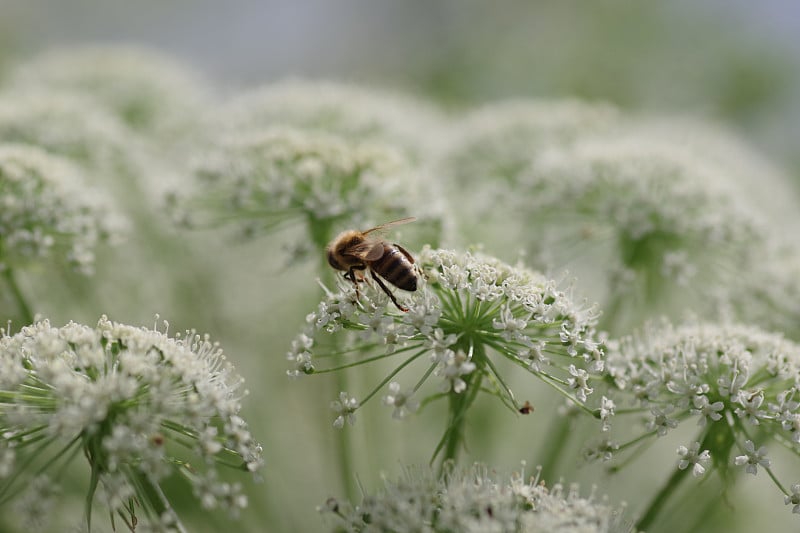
[[474, 499], [740, 383], [469, 315], [46, 212], [137, 404]]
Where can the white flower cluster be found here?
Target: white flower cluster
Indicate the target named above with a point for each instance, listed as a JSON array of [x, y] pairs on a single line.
[[265, 178], [739, 383], [137, 403], [468, 309], [141, 87], [46, 212], [499, 141], [659, 225], [353, 112], [474, 499], [68, 124]]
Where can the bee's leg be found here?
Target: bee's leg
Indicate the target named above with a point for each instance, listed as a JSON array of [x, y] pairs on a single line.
[[351, 275], [405, 253], [388, 292]]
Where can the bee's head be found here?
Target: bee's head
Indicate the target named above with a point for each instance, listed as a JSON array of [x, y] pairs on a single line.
[[332, 259]]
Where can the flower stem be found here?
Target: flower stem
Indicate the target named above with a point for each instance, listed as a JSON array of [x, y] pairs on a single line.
[[459, 403], [19, 298], [660, 499], [321, 233], [557, 437]]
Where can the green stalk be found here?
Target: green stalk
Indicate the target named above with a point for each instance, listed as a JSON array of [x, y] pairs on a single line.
[[453, 439], [321, 233], [557, 438], [660, 500], [459, 403], [19, 298]]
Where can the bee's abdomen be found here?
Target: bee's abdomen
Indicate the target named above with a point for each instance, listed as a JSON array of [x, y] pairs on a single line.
[[395, 268]]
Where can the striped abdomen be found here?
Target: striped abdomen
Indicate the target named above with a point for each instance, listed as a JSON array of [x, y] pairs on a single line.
[[395, 268]]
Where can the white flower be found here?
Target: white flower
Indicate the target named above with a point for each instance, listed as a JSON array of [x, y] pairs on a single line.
[[751, 406], [607, 408], [467, 308], [474, 500], [793, 498], [645, 208], [347, 110], [579, 381], [468, 317], [48, 212], [143, 88], [661, 421], [692, 456], [456, 364], [734, 375], [402, 401], [123, 395], [345, 408], [752, 458]]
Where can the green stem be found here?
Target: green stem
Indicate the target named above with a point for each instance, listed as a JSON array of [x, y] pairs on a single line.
[[659, 501], [459, 404], [557, 437], [454, 435], [19, 298], [320, 232]]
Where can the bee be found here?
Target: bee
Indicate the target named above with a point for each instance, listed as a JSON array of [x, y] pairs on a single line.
[[353, 251]]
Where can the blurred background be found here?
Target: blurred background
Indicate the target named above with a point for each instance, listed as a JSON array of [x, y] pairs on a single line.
[[732, 61], [729, 59]]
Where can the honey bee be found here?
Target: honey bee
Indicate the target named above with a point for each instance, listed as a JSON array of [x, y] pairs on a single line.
[[353, 251]]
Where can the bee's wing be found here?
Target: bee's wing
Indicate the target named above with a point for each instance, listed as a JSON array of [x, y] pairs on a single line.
[[390, 224], [367, 250]]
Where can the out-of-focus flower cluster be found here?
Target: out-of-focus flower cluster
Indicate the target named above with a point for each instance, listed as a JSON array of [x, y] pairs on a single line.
[[474, 499], [136, 403], [144, 89], [48, 212], [269, 177]]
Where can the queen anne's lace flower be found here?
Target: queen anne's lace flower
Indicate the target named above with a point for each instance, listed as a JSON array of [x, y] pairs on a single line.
[[276, 176], [143, 88], [741, 384], [492, 147], [136, 403], [474, 499], [47, 212], [469, 315], [67, 124], [663, 226], [498, 142], [350, 111]]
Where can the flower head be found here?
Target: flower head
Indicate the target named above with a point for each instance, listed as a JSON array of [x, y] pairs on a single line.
[[659, 221], [474, 499], [68, 124], [143, 88], [469, 316], [739, 384], [349, 111], [124, 396], [46, 212], [271, 177], [497, 143]]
